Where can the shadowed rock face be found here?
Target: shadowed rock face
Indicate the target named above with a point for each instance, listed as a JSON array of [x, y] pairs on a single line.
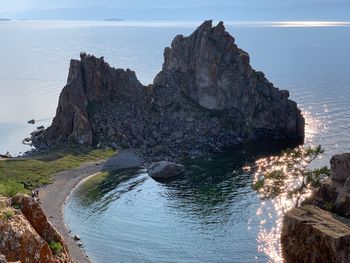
[[207, 96]]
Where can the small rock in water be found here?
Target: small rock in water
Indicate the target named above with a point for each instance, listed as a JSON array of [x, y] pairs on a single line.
[[76, 237], [80, 244], [32, 121]]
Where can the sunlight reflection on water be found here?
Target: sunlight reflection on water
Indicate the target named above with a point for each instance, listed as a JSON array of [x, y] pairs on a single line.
[[269, 237]]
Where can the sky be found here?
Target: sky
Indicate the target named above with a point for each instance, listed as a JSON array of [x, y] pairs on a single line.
[[18, 5]]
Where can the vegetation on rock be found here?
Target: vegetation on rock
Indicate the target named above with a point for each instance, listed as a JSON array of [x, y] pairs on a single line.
[[56, 247], [7, 213], [26, 235], [290, 173]]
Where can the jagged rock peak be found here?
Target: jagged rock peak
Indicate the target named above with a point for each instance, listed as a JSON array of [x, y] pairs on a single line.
[[207, 96], [214, 69]]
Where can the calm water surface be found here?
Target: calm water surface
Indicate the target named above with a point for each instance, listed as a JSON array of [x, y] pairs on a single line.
[[211, 215]]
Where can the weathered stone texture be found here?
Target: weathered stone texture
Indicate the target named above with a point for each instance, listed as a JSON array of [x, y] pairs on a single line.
[[207, 96], [335, 192], [312, 235], [26, 235]]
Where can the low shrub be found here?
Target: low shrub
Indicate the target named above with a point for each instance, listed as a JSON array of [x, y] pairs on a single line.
[[7, 213], [328, 207], [56, 248]]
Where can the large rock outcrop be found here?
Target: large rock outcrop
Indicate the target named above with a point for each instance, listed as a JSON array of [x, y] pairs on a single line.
[[26, 234], [334, 193], [312, 234], [206, 96]]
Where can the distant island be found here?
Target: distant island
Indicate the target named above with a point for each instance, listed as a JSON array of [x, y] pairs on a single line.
[[332, 11], [114, 19], [4, 19]]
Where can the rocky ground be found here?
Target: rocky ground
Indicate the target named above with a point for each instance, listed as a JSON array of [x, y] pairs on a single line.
[[207, 96]]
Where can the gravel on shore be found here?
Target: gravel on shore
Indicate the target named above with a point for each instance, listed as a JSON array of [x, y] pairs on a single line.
[[54, 196]]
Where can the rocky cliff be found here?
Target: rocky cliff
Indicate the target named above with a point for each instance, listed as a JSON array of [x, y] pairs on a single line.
[[334, 194], [26, 236], [207, 96], [311, 234]]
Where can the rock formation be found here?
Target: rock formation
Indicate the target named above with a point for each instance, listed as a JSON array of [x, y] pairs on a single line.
[[334, 193], [26, 234], [207, 96], [310, 234]]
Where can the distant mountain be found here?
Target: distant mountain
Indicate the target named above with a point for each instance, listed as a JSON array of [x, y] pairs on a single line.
[[114, 19], [4, 19], [324, 11]]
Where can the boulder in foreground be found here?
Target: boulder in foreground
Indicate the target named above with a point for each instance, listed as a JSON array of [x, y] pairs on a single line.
[[312, 235], [165, 170], [26, 235]]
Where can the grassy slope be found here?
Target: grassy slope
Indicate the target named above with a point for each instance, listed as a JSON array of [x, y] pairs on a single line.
[[26, 173]]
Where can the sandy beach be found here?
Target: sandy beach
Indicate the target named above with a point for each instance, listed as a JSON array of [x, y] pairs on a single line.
[[55, 195]]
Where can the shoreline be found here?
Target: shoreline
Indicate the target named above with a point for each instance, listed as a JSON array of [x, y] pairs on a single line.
[[54, 196]]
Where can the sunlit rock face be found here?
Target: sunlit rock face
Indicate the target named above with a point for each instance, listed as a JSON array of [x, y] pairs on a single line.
[[25, 234], [312, 235], [206, 97]]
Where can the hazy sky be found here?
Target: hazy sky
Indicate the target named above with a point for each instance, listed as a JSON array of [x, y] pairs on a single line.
[[9, 5]]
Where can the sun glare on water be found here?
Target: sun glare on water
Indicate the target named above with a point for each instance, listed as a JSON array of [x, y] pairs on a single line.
[[269, 236], [312, 24]]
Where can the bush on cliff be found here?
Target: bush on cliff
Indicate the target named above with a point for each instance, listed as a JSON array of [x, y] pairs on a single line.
[[56, 248], [289, 174], [7, 213]]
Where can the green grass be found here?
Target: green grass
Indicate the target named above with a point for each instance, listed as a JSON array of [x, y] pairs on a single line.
[[56, 248], [20, 175], [11, 188], [7, 213]]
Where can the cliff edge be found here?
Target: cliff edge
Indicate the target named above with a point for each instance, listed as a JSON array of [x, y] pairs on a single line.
[[26, 235], [207, 96], [312, 234]]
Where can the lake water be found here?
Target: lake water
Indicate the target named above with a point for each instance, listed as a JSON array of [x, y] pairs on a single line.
[[213, 215]]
